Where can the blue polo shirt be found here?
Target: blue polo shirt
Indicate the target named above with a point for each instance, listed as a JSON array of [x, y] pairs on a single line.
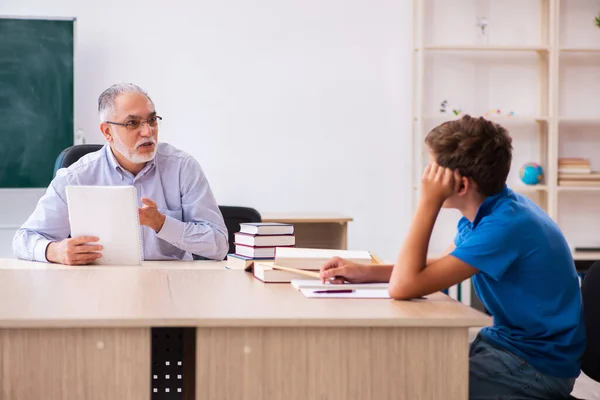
[[527, 281]]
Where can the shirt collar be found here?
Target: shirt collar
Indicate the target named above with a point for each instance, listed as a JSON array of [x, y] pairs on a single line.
[[111, 159], [488, 204]]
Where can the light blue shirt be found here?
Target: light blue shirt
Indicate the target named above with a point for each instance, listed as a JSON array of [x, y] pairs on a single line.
[[173, 179]]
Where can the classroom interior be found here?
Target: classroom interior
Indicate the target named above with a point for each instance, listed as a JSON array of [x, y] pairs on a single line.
[[312, 113]]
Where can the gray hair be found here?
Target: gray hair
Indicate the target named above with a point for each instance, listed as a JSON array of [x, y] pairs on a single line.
[[106, 101]]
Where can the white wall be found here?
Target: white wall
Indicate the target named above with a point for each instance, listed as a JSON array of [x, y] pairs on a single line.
[[299, 105]]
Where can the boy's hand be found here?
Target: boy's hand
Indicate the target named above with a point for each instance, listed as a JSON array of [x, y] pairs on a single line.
[[439, 183], [338, 270]]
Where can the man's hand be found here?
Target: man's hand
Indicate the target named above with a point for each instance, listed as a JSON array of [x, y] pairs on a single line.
[[338, 270], [74, 251], [439, 183], [150, 216]]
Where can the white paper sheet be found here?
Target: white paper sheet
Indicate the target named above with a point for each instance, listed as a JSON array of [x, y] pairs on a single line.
[[353, 294]]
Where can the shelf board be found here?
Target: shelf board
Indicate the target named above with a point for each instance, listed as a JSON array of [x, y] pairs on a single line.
[[495, 118], [483, 48], [578, 188], [586, 255], [521, 188], [580, 120], [580, 50]]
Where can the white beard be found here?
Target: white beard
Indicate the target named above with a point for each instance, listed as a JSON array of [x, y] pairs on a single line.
[[133, 155]]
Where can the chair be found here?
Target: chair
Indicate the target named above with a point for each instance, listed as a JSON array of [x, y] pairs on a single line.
[[590, 291], [233, 217], [71, 154]]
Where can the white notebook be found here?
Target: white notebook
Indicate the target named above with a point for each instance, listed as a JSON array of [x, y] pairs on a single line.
[[317, 284], [111, 214], [346, 294]]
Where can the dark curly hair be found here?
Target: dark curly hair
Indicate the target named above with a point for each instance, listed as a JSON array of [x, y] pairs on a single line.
[[478, 148]]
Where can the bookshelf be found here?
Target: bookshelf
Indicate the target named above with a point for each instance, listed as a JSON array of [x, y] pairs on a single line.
[[539, 59]]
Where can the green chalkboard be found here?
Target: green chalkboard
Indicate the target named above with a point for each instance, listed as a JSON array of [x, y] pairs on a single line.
[[36, 99]]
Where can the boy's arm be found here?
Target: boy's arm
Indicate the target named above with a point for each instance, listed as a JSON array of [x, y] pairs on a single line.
[[448, 251], [412, 275]]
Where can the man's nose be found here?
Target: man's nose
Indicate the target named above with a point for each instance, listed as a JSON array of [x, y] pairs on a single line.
[[145, 131]]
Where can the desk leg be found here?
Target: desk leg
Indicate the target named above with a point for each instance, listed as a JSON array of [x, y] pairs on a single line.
[[332, 363], [65, 364]]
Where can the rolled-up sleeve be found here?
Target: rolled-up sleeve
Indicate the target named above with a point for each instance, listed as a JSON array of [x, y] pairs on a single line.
[[202, 231], [49, 222]]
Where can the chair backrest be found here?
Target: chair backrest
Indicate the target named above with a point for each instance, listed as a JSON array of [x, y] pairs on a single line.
[[233, 217], [71, 154], [590, 291]]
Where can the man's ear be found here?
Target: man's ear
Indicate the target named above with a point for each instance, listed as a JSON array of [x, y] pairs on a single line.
[[106, 131]]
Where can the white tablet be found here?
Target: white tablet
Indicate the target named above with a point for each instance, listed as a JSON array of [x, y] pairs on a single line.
[[111, 214]]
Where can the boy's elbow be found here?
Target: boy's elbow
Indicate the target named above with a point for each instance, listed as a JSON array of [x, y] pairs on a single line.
[[401, 291]]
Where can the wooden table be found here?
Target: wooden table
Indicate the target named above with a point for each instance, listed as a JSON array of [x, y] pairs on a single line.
[[74, 333], [315, 230]]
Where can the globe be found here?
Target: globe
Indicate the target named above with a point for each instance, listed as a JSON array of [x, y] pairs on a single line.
[[531, 173]]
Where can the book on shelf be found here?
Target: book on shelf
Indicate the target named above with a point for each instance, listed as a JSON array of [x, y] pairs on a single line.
[[574, 166], [266, 228], [572, 160], [592, 176], [574, 171], [264, 240]]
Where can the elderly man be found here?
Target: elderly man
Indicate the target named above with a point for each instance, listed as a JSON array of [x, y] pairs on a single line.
[[178, 212]]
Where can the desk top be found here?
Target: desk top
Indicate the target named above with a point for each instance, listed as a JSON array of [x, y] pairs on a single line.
[[294, 218], [154, 297], [12, 263]]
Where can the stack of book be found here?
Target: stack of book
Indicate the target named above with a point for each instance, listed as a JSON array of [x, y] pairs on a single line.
[[576, 172], [257, 242]]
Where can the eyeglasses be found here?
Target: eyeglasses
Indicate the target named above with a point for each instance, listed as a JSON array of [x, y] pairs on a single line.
[[134, 124]]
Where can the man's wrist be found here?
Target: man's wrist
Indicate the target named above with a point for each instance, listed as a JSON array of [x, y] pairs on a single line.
[[50, 252], [160, 223]]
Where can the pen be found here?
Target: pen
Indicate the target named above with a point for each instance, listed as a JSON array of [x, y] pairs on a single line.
[[334, 291]]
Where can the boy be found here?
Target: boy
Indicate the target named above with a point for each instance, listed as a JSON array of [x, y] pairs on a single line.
[[521, 266]]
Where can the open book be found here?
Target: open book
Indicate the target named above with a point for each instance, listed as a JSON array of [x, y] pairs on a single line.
[[313, 259], [111, 214], [293, 262]]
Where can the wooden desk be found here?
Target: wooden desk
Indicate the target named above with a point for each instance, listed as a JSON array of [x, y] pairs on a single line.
[[10, 263], [85, 333], [315, 230]]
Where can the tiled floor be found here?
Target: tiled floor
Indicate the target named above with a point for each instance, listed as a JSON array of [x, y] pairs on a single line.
[[585, 388]]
